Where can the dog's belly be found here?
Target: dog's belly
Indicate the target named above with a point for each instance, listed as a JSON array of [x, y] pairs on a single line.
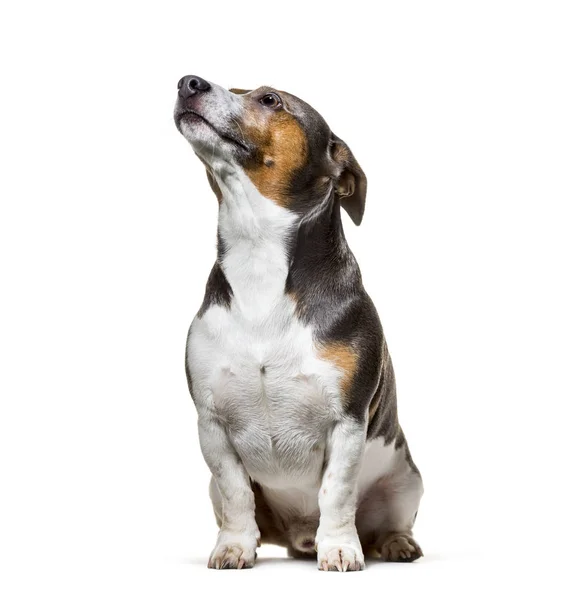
[[264, 381]]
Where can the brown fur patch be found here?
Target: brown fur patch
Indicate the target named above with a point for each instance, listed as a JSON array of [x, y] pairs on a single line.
[[282, 150], [344, 358]]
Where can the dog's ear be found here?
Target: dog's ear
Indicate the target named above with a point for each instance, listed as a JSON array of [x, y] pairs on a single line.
[[238, 91], [350, 184]]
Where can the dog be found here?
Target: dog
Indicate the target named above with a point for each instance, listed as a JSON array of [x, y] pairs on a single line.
[[286, 359]]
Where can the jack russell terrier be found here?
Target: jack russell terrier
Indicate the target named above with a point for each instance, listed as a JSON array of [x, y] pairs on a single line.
[[286, 359]]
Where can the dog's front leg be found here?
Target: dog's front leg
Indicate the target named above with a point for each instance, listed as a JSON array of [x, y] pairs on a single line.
[[239, 535], [338, 546]]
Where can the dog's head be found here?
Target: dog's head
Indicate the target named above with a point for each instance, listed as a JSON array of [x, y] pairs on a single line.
[[280, 142]]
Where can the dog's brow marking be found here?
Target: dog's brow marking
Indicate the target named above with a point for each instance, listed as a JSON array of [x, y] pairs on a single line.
[[344, 358]]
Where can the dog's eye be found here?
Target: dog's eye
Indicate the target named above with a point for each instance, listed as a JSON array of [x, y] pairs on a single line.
[[270, 100]]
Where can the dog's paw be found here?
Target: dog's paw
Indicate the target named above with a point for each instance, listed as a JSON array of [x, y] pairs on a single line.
[[400, 547], [340, 556], [233, 552]]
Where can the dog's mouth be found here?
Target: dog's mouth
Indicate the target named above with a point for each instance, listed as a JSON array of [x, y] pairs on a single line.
[[189, 115]]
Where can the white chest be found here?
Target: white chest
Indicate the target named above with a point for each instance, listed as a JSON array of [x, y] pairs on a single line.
[[262, 377]]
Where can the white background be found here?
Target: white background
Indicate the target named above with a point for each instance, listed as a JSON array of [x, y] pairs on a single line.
[[457, 111]]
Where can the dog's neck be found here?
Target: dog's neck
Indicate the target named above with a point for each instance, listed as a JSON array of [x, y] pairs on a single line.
[[267, 249], [246, 218]]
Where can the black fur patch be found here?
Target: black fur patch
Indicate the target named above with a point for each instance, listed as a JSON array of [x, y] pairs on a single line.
[[218, 290], [325, 280]]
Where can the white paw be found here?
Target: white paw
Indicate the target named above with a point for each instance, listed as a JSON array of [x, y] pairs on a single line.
[[234, 551], [337, 555]]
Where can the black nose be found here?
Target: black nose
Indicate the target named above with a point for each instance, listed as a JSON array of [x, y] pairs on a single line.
[[191, 85]]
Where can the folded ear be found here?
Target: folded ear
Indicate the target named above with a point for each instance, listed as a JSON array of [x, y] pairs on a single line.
[[350, 184]]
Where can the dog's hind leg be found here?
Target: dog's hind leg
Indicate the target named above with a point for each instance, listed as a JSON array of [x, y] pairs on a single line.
[[387, 512]]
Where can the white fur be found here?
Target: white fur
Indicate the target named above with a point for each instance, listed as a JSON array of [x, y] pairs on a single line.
[[338, 498], [379, 459]]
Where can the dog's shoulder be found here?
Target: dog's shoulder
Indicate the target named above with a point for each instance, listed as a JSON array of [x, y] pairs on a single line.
[[330, 297]]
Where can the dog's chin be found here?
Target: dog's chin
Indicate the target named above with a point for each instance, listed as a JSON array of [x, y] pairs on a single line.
[[205, 137], [205, 143], [193, 128], [196, 132]]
